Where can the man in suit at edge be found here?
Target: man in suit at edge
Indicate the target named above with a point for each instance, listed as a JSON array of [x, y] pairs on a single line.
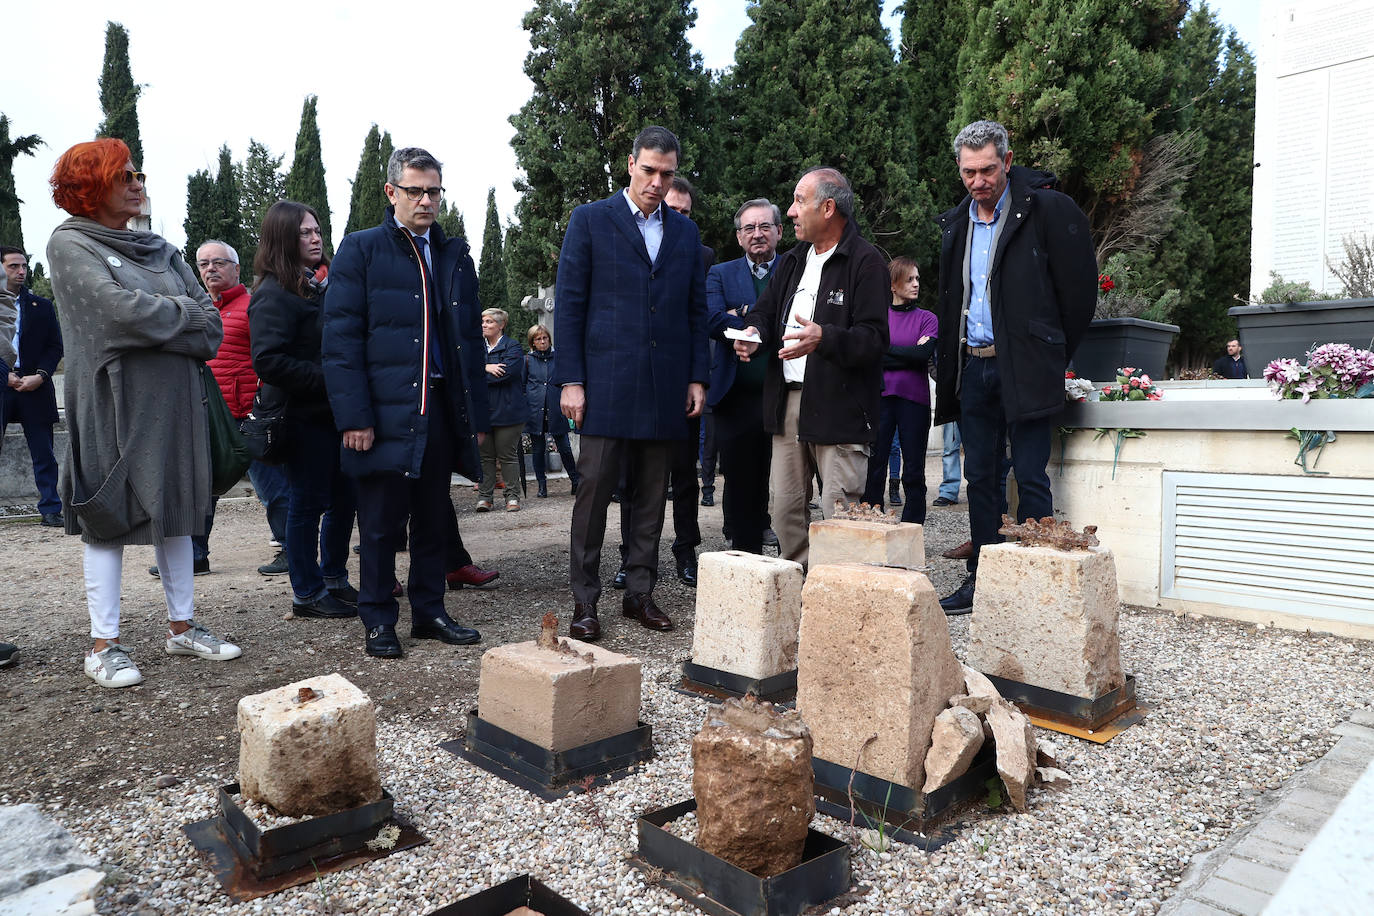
[[632, 364], [736, 394]]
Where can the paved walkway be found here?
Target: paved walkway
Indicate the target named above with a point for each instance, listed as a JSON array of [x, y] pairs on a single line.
[[1241, 877]]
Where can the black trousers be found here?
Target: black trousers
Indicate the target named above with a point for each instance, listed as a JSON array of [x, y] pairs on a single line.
[[385, 501], [710, 449], [746, 450], [682, 478], [600, 465]]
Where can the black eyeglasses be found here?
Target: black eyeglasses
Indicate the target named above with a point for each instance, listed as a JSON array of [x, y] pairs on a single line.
[[435, 194], [749, 229], [217, 263], [130, 177]]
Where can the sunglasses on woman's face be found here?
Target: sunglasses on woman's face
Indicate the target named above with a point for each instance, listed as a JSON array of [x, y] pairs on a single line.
[[130, 177]]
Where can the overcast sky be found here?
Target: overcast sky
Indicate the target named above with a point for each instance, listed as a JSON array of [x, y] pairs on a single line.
[[216, 73]]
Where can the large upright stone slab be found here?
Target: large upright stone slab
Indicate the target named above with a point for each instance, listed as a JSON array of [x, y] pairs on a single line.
[[881, 543], [309, 748], [748, 611], [1047, 617], [561, 697], [752, 779], [875, 668]]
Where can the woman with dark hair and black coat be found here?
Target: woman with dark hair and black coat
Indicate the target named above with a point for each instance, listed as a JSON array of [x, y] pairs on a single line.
[[546, 415], [286, 325]]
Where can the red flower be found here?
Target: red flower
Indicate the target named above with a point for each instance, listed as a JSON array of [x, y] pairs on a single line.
[[1069, 373], [1105, 283]]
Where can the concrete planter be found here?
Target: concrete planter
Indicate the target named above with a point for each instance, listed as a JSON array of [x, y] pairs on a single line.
[[1112, 343], [1289, 330]]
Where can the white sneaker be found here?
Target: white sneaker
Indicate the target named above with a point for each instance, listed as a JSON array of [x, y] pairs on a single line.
[[112, 667], [202, 643]]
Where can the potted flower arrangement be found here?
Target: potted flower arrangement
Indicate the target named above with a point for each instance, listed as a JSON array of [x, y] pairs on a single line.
[[1130, 325], [1131, 384], [1333, 370]]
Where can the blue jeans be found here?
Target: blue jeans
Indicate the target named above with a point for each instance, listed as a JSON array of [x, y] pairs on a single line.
[[949, 487], [894, 461], [986, 435], [317, 550], [274, 491], [909, 421]]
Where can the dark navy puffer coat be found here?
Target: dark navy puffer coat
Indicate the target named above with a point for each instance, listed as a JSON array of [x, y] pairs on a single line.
[[376, 329], [506, 393]]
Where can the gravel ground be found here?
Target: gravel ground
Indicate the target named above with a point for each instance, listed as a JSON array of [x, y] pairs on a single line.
[[1235, 710]]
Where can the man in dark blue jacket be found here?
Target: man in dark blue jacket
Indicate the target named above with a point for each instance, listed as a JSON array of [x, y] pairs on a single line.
[[404, 367], [630, 320], [28, 397], [1018, 285]]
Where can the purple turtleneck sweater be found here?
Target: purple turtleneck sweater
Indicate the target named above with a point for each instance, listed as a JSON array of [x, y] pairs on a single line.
[[906, 330]]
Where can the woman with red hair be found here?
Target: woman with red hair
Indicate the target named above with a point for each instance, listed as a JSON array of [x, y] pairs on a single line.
[[137, 327]]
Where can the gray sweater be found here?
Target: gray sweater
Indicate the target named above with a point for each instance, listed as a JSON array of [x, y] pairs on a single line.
[[136, 326]]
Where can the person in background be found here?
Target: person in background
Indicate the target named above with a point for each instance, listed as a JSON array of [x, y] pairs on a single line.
[[137, 328], [509, 411], [905, 406], [1232, 365], [894, 471], [545, 418], [286, 320], [949, 462], [30, 398]]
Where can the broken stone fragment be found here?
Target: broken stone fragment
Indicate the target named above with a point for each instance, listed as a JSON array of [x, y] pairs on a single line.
[[957, 737], [976, 704], [1015, 741], [754, 787]]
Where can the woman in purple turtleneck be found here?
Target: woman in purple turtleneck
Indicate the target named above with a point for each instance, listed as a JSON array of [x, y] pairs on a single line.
[[906, 392]]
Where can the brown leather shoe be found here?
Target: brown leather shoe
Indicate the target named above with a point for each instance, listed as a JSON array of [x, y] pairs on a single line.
[[963, 552], [584, 625], [642, 608]]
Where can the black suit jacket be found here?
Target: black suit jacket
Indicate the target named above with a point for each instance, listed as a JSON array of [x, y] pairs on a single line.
[[40, 350]]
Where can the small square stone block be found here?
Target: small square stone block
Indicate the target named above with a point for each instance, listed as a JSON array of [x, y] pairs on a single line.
[[748, 612], [838, 540], [313, 757], [559, 700]]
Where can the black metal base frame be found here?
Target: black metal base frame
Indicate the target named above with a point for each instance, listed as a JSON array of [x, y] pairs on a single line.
[[519, 891], [250, 863], [1082, 712], [911, 815], [713, 682], [715, 886], [551, 774]]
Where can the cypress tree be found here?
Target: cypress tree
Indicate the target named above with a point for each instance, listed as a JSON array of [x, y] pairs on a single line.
[[815, 83], [119, 93], [601, 73], [261, 184], [368, 201], [386, 150], [201, 216], [933, 31], [305, 182], [40, 284], [11, 228], [228, 215], [491, 272], [451, 220]]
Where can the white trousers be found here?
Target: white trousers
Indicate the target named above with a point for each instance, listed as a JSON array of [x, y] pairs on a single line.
[[105, 573]]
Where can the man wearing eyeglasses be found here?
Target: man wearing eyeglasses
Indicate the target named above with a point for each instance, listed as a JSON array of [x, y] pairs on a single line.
[[736, 395], [405, 371], [822, 327], [29, 397], [630, 320]]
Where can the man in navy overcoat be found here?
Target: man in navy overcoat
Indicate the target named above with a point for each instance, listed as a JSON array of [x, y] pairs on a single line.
[[29, 398], [630, 321]]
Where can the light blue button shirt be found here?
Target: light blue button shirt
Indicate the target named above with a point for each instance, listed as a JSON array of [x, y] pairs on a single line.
[[979, 264], [651, 226]]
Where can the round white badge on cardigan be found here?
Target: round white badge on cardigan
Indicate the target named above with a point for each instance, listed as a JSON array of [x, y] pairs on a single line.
[[114, 261]]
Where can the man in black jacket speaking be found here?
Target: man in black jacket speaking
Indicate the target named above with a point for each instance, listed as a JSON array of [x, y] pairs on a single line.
[[1018, 285]]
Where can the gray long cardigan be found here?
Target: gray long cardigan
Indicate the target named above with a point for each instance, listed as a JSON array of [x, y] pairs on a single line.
[[136, 325]]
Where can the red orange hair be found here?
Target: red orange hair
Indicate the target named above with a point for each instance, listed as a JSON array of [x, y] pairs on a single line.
[[83, 176]]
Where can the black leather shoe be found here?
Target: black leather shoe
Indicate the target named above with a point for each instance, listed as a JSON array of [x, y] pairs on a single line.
[[584, 625], [52, 520], [619, 580], [961, 601], [941, 501], [382, 642], [347, 594], [543, 491], [894, 494], [643, 609], [687, 572], [327, 607], [444, 630], [770, 539], [708, 499]]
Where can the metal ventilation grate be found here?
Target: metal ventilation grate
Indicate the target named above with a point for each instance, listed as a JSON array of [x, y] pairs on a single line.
[[1300, 545]]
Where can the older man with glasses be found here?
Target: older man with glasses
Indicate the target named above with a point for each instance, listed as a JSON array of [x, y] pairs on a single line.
[[405, 370]]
